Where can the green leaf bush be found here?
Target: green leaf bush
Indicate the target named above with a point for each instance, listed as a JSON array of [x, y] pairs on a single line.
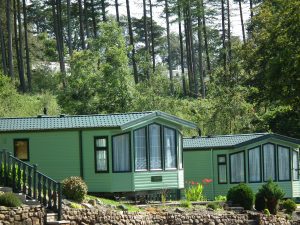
[[268, 196], [242, 195], [9, 200], [214, 205], [74, 188], [289, 205], [194, 192]]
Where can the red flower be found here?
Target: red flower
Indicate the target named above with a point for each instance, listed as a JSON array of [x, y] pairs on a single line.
[[206, 181], [192, 182]]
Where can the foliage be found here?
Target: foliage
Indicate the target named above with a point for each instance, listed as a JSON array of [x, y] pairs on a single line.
[[267, 212], [214, 205], [185, 204], [10, 175], [242, 195], [260, 203], [221, 198], [289, 205], [74, 205], [10, 200], [194, 191], [100, 79], [74, 188], [272, 194]]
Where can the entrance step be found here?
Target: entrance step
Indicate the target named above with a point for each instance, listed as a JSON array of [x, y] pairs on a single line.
[[6, 189], [252, 222]]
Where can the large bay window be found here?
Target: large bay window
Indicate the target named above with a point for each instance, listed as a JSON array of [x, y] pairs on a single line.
[[170, 148], [140, 149], [121, 153], [237, 167], [101, 154], [254, 165], [295, 165], [155, 147], [284, 172], [269, 162]]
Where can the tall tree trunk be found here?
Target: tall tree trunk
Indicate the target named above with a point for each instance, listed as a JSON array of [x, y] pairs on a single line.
[[9, 41], [181, 48], [117, 11], [69, 28], [146, 36], [21, 72], [251, 8], [152, 37], [15, 10], [28, 69], [3, 52], [135, 72], [229, 33], [200, 49], [94, 19], [169, 46], [103, 8], [86, 19], [223, 35], [81, 25], [242, 21], [188, 52], [205, 38]]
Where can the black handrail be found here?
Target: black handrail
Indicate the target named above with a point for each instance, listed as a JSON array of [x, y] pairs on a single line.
[[25, 178]]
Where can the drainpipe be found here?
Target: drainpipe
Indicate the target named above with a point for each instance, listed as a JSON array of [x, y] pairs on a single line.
[[81, 155], [213, 172]]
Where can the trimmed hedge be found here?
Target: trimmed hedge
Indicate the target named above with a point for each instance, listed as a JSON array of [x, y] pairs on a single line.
[[241, 195], [74, 188]]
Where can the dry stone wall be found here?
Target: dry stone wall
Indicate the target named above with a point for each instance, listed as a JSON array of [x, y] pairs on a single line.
[[113, 217], [25, 215]]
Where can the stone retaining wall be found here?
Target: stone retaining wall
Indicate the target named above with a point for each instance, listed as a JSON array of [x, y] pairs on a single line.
[[112, 217], [25, 215]]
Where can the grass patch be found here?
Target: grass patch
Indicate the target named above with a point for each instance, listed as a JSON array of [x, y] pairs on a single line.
[[105, 201]]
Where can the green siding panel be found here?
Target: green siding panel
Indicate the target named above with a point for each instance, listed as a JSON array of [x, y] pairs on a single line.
[[198, 166], [50, 152]]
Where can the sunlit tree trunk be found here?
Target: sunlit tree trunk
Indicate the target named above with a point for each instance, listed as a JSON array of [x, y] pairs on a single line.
[[223, 35], [200, 48], [20, 52], [146, 35], [69, 27], [103, 8], [152, 37], [205, 38], [86, 19], [242, 21], [81, 25], [94, 18], [3, 53], [117, 11], [9, 41]]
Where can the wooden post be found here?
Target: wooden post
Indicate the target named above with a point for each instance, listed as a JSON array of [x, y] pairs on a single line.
[[34, 180], [59, 201]]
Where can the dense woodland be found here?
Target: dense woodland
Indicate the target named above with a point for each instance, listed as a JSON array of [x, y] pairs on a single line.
[[76, 57]]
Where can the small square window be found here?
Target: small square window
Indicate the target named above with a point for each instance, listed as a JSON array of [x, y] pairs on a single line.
[[21, 149], [221, 159]]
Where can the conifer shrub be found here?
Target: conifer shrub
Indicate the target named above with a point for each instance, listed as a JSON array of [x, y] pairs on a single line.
[[74, 188], [9, 200], [269, 196], [242, 195], [289, 205]]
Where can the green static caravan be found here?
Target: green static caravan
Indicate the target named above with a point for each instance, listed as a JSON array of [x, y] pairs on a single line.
[[127, 152], [246, 158]]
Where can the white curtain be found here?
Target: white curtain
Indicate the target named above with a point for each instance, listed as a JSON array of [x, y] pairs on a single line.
[[101, 160], [170, 148], [269, 161], [101, 142], [237, 167], [180, 151], [140, 149], [254, 164], [222, 173], [295, 166], [155, 146], [121, 153], [283, 163]]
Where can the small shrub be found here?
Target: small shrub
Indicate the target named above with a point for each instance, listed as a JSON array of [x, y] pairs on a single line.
[[268, 196], [214, 205], [74, 205], [185, 204], [289, 205], [10, 200], [267, 212], [74, 188], [241, 195], [260, 203], [220, 198], [194, 192]]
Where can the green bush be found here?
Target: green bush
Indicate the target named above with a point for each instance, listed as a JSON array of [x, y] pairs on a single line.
[[260, 203], [267, 212], [220, 198], [269, 196], [10, 200], [214, 205], [241, 195], [185, 204], [289, 205], [194, 192], [74, 188]]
